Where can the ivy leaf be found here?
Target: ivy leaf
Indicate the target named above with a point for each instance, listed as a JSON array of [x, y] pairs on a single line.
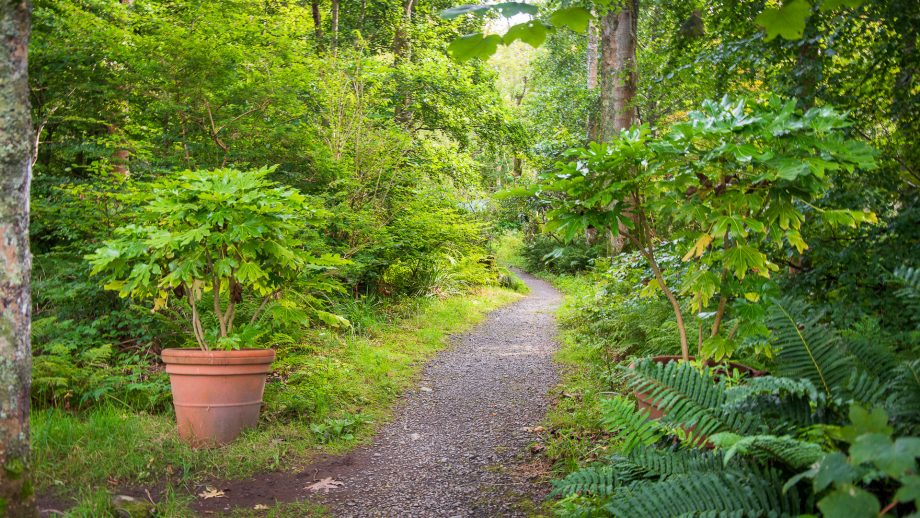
[[532, 33], [474, 46], [508, 9], [788, 21], [575, 18]]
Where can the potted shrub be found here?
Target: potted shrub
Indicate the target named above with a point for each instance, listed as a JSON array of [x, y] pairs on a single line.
[[219, 248]]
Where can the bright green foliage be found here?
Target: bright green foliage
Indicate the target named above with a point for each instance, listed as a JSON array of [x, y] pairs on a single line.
[[204, 233], [736, 178], [533, 32]]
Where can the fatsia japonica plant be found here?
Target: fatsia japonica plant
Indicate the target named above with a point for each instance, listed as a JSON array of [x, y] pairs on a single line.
[[220, 239], [738, 179]]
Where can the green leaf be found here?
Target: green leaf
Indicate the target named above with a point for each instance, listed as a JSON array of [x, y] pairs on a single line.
[[474, 46], [717, 347], [833, 469], [788, 21], [507, 9], [850, 502], [575, 18], [894, 458], [910, 489], [863, 422], [742, 258], [532, 33]]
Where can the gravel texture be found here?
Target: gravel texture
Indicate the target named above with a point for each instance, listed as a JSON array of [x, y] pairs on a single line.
[[461, 444]]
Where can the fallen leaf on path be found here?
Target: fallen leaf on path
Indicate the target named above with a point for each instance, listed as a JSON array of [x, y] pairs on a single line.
[[211, 492], [260, 507], [538, 429], [325, 485]]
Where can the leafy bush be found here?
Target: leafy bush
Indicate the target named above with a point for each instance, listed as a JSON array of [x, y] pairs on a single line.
[[233, 235]]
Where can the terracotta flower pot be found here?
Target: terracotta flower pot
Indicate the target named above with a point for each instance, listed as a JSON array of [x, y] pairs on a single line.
[[644, 401], [216, 394]]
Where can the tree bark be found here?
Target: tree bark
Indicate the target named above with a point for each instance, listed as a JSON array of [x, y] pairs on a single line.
[[16, 497], [592, 124], [591, 56], [401, 52], [618, 82], [618, 69]]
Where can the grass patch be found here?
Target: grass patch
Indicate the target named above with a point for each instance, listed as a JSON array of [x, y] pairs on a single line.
[[354, 376], [577, 436]]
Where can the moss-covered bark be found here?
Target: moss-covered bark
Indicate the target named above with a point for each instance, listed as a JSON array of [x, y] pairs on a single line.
[[16, 497]]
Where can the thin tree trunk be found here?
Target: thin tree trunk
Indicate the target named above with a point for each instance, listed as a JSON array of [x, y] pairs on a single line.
[[317, 22], [16, 496], [335, 24], [591, 55], [401, 51]]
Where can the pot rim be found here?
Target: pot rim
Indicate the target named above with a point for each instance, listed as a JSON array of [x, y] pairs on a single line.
[[221, 357]]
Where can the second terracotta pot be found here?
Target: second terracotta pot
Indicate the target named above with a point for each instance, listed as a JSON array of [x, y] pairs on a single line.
[[645, 401], [216, 394]]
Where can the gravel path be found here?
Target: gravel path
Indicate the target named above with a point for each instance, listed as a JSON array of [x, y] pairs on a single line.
[[459, 444]]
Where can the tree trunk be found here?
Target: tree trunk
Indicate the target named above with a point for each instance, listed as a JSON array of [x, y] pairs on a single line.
[[593, 125], [317, 22], [335, 24], [401, 52], [618, 69], [618, 82], [16, 497], [591, 56]]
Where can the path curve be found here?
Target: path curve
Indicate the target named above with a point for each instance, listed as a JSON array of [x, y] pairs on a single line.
[[458, 445]]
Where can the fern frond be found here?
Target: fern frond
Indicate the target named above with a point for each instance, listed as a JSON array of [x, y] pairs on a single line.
[[870, 354], [633, 427], [807, 348], [773, 385], [904, 401], [750, 494], [594, 480], [867, 388], [908, 279], [794, 453], [653, 462], [688, 397]]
